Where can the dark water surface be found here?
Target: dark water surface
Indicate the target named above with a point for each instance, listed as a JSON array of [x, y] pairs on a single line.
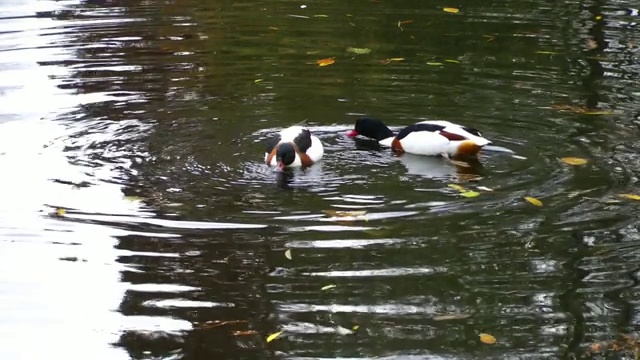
[[144, 120]]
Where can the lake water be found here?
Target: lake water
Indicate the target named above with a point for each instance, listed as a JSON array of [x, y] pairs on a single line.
[[145, 122]]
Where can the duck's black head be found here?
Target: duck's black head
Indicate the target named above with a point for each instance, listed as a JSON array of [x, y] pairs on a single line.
[[285, 155], [371, 128]]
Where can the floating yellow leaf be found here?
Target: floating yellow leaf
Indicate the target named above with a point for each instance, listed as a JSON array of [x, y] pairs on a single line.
[[258, 80], [469, 194], [321, 16], [359, 51], [598, 17], [355, 327], [325, 62], [273, 336], [487, 339], [451, 10], [451, 317], [457, 187], [60, 212], [287, 254], [630, 196], [574, 160], [435, 63], [533, 200], [452, 61], [327, 287]]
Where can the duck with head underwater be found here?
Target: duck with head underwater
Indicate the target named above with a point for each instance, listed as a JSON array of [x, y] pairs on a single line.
[[429, 138], [293, 147]]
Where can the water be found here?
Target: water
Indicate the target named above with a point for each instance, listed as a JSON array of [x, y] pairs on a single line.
[[145, 122]]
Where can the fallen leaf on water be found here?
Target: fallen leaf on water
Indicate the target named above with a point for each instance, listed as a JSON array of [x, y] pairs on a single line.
[[387, 61], [574, 160], [580, 110], [325, 62], [244, 333], [400, 23], [533, 200], [60, 212], [457, 187], [487, 339], [434, 63], [287, 254], [451, 10], [327, 287], [630, 196], [469, 194], [591, 44], [596, 348], [273, 336], [321, 16], [355, 327], [334, 213], [450, 317], [452, 61], [598, 17], [258, 80], [359, 51]]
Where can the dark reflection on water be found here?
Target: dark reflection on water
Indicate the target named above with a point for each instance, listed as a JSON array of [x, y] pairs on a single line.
[[146, 121]]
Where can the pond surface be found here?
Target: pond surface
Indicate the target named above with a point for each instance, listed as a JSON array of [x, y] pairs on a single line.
[[145, 122]]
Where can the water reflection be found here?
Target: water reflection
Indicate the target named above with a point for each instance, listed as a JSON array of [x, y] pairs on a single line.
[[168, 104]]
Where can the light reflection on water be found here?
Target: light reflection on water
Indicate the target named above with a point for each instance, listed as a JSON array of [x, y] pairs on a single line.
[[147, 126]]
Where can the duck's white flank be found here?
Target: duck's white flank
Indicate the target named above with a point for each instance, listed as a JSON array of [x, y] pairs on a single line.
[[315, 152]]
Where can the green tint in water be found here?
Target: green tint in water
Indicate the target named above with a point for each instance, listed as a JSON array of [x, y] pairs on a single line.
[[177, 99]]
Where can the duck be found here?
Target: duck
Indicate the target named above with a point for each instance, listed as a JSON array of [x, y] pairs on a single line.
[[429, 138], [293, 147]]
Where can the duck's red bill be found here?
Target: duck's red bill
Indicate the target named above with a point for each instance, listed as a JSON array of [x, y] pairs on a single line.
[[352, 133]]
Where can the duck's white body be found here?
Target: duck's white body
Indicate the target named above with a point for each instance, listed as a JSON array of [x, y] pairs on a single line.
[[430, 138], [296, 135]]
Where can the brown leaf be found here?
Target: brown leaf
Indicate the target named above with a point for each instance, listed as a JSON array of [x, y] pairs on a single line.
[[325, 62]]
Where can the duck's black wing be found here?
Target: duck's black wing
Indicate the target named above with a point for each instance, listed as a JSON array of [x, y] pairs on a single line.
[[303, 140], [272, 142]]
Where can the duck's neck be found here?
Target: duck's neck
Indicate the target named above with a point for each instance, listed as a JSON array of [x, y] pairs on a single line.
[[384, 134]]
